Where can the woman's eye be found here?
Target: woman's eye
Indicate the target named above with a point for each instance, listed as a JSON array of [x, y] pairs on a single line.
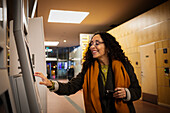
[[97, 42]]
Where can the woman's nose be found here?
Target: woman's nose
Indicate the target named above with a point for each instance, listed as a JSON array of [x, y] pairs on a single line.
[[92, 46]]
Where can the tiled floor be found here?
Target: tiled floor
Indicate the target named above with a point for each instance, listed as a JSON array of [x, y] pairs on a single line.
[[74, 104]]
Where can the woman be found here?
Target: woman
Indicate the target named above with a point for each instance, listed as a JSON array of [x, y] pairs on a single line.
[[107, 78]]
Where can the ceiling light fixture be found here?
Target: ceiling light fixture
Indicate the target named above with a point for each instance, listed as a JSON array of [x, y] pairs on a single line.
[[61, 16], [51, 43], [64, 40]]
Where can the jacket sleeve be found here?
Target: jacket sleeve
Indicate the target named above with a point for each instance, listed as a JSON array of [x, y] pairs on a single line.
[[134, 88], [74, 85]]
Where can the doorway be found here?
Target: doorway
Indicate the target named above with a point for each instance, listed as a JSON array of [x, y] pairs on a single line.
[[148, 73]]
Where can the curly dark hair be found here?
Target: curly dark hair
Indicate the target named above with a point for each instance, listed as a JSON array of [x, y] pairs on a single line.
[[112, 46]]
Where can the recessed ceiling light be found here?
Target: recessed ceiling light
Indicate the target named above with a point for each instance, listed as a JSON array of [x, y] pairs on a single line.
[[61, 16], [51, 43], [64, 40]]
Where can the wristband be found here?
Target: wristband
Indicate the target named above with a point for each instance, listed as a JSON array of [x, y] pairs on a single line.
[[51, 87]]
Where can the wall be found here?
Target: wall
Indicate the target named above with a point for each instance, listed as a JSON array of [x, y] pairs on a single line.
[[163, 79], [151, 26]]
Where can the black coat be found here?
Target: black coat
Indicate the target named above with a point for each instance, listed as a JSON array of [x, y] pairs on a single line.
[[70, 73], [76, 84]]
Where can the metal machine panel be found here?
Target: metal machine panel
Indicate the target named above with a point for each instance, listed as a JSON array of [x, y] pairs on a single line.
[[19, 94], [24, 58]]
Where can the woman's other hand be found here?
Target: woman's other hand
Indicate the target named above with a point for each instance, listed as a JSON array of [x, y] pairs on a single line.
[[44, 81], [120, 93]]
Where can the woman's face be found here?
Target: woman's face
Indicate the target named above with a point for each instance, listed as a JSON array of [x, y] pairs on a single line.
[[97, 48]]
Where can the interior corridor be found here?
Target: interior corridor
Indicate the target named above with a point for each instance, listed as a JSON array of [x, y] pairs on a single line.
[[74, 104]]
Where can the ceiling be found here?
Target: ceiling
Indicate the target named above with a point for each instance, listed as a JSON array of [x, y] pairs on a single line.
[[104, 15]]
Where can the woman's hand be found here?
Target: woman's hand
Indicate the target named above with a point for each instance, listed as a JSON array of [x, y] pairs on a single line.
[[44, 81], [120, 93]]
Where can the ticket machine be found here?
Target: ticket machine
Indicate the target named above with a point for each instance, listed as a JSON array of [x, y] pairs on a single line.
[[20, 30]]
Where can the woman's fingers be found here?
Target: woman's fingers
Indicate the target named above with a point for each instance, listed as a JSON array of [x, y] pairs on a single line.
[[39, 74], [44, 81], [121, 93]]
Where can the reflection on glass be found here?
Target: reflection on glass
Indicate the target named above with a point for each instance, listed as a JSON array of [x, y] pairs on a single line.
[[1, 14]]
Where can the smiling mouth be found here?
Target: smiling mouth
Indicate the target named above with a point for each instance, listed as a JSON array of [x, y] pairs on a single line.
[[94, 52]]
